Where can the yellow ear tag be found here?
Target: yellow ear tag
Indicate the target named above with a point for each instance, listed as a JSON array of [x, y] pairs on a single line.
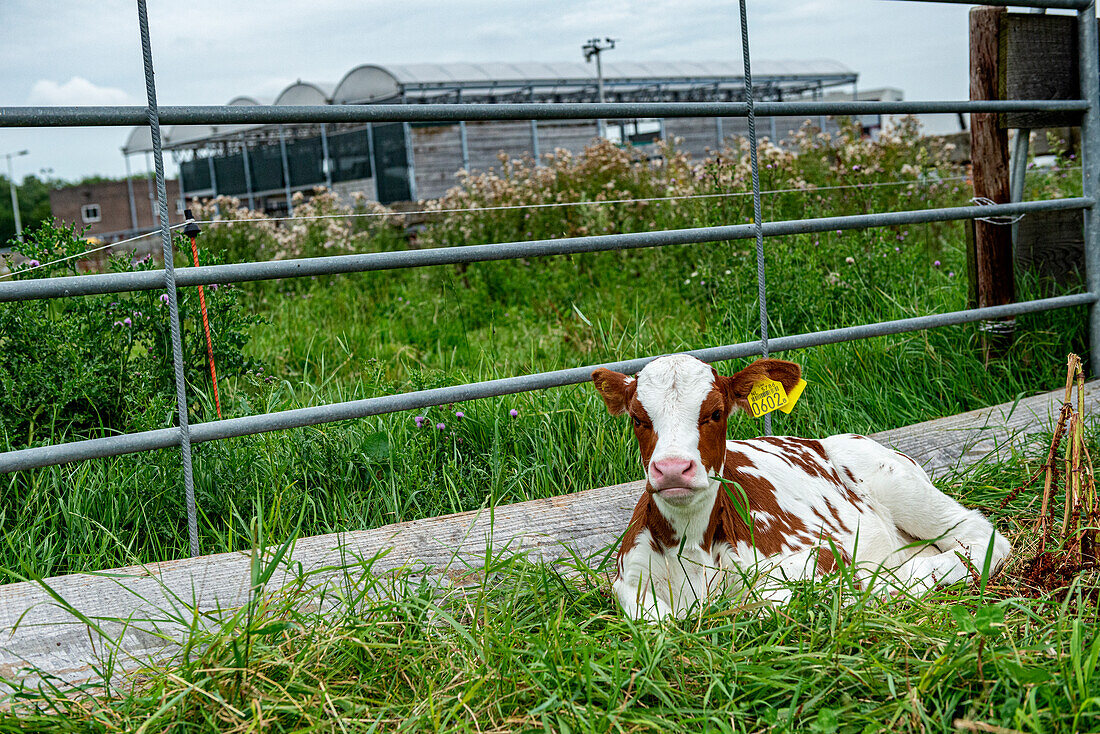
[[792, 396], [766, 396]]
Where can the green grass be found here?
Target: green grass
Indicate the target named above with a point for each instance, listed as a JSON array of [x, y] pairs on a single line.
[[543, 648], [362, 335]]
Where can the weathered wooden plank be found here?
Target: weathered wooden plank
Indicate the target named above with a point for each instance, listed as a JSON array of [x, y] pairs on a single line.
[[1053, 245], [37, 632], [1038, 60]]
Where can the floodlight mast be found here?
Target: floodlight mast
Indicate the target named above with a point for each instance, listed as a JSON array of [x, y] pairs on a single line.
[[595, 47]]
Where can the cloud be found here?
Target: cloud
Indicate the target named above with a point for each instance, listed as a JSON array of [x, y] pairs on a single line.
[[76, 91]]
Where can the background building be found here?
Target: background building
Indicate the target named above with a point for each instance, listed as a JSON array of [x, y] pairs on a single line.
[[265, 164], [113, 210]]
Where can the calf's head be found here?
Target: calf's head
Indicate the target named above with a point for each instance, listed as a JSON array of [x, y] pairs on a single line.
[[679, 406]]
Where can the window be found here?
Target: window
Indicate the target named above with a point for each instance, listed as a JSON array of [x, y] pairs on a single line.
[[90, 213]]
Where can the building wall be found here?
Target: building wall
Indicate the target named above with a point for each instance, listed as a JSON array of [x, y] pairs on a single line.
[[437, 149], [113, 199]]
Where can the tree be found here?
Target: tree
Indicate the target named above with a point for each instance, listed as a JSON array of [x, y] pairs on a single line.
[[34, 205]]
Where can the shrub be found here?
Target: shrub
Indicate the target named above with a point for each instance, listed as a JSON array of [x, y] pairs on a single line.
[[100, 364]]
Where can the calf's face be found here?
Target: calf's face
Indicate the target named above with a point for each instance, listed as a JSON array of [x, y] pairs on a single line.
[[679, 407]]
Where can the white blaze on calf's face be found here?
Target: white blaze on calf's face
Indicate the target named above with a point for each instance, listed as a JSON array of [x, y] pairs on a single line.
[[672, 390]]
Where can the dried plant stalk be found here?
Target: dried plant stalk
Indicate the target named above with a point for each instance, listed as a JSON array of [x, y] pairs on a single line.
[[1050, 479]]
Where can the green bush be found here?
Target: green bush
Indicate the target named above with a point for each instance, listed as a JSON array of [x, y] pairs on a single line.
[[93, 365]]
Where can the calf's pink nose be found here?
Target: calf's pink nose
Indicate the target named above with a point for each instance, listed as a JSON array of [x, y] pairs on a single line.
[[671, 472]]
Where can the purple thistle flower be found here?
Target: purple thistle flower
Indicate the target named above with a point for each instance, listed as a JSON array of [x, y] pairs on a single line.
[[33, 263], [936, 264], [118, 323], [440, 426], [840, 231], [460, 415], [419, 421], [513, 412], [127, 321], [164, 298], [951, 274]]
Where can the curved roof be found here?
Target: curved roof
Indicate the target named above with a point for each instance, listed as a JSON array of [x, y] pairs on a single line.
[[140, 140], [527, 81], [306, 93], [370, 82], [247, 99]]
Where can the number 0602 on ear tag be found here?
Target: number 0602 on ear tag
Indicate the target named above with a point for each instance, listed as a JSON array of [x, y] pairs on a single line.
[[766, 396]]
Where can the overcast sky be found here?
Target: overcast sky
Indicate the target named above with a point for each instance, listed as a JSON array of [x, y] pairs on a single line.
[[208, 51]]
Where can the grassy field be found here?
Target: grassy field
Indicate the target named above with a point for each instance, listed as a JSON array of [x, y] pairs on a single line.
[[370, 334], [540, 649], [544, 649]]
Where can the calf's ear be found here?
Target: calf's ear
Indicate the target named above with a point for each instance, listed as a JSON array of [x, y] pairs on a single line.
[[613, 389], [737, 387]]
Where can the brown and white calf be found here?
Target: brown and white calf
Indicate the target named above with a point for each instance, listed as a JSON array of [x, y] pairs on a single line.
[[688, 539]]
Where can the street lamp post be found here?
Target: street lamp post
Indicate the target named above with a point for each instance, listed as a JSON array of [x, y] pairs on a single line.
[[14, 194], [595, 47]]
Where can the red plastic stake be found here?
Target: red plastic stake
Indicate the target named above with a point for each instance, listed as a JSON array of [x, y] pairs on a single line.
[[206, 327]]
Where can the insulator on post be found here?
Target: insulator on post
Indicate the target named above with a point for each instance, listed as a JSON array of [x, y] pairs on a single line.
[[191, 228]]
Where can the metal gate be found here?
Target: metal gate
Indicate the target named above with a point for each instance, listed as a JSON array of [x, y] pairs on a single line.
[[391, 148]]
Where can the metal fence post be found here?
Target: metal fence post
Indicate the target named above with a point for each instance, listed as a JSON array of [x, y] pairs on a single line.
[[1090, 165], [169, 281], [464, 145], [213, 184], [286, 172], [130, 192], [247, 173], [325, 158]]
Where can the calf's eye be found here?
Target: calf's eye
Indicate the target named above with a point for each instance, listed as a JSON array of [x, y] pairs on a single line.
[[637, 421], [716, 416]]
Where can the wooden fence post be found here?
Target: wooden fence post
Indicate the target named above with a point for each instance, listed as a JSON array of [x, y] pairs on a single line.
[[995, 280]]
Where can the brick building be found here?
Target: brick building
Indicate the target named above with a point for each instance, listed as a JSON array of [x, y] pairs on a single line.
[[113, 210]]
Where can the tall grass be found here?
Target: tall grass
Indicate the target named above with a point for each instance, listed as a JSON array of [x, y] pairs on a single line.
[[542, 648], [357, 336]]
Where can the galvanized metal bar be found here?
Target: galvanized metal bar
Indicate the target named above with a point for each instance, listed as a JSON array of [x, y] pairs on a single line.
[[233, 427], [84, 285], [535, 142], [1017, 174], [182, 434], [1090, 165], [294, 114]]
